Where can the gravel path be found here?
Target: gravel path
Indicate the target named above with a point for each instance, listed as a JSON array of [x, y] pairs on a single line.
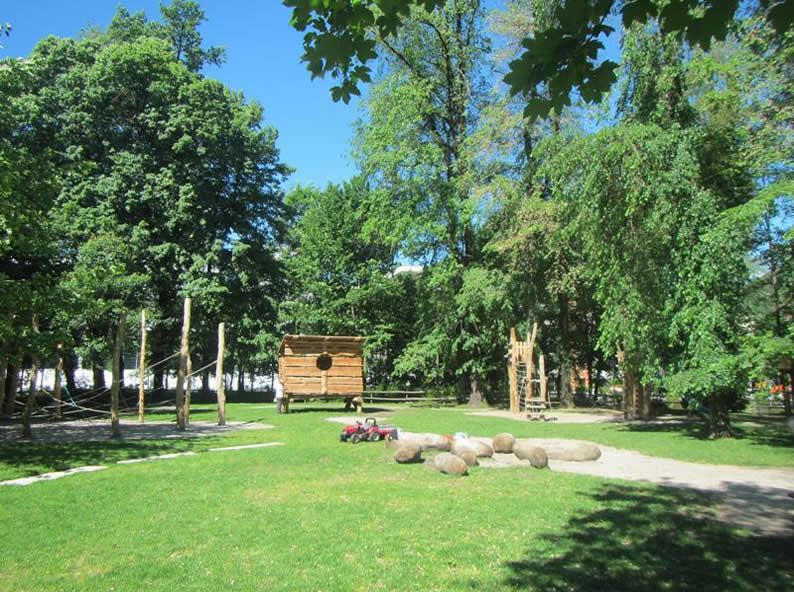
[[754, 498]]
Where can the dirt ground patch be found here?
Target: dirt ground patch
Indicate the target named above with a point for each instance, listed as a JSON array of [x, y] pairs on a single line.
[[86, 430]]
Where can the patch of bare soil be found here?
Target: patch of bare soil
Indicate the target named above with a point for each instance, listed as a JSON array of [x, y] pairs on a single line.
[[603, 416]]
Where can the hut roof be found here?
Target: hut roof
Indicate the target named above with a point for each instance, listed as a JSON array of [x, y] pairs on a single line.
[[318, 340]]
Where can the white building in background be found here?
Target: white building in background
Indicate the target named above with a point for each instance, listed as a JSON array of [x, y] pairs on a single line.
[[415, 269]]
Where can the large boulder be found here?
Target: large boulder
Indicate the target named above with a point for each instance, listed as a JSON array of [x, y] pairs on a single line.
[[449, 464], [536, 455], [408, 453], [426, 441], [468, 456], [503, 443]]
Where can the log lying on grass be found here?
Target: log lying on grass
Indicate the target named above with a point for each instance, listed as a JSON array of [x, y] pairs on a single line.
[[536, 455], [503, 443], [478, 447], [570, 450], [423, 441], [483, 449], [408, 453], [449, 464], [467, 455]]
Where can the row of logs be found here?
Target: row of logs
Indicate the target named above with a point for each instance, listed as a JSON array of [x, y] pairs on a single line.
[[458, 454]]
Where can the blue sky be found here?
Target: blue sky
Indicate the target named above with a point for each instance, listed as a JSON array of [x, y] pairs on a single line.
[[262, 59]]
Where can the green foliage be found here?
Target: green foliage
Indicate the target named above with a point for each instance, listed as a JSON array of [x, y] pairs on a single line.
[[340, 274], [338, 41], [563, 56]]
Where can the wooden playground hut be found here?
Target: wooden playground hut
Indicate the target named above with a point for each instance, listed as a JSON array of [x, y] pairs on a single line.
[[321, 367]]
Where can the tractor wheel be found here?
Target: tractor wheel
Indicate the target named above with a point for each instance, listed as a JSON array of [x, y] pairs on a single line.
[[374, 437], [343, 436], [355, 438]]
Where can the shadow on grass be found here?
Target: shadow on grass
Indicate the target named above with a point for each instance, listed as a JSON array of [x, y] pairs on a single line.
[[771, 434], [652, 540], [33, 458]]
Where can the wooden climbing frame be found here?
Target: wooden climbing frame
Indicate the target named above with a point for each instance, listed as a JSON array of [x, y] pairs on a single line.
[[521, 371]]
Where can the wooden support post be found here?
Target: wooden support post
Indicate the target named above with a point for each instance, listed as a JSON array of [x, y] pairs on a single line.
[[188, 385], [544, 395], [219, 375], [142, 366], [115, 385], [531, 364], [31, 398], [184, 351], [57, 387], [512, 371]]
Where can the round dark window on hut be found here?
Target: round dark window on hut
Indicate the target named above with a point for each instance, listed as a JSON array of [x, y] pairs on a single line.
[[324, 362]]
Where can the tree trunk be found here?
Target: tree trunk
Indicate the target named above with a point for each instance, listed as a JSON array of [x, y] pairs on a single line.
[[566, 367], [628, 394], [57, 386], [115, 385], [27, 432], [240, 379], [789, 392], [99, 378], [3, 371], [644, 401], [597, 384], [205, 381], [719, 418], [158, 382], [69, 368], [12, 386], [476, 398]]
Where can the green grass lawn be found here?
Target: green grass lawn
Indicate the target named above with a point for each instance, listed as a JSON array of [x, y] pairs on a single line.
[[317, 514]]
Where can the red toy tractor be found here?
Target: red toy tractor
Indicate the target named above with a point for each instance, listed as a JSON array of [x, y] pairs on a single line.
[[369, 431]]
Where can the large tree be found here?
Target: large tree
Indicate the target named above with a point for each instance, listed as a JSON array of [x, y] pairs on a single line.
[[149, 154], [415, 144]]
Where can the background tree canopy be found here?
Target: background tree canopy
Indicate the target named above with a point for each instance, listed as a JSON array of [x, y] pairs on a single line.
[[648, 235]]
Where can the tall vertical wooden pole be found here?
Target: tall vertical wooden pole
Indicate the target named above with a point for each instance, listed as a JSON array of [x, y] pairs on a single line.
[[57, 387], [34, 374], [184, 351], [543, 386], [219, 375], [512, 373], [115, 386], [188, 380], [142, 366]]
